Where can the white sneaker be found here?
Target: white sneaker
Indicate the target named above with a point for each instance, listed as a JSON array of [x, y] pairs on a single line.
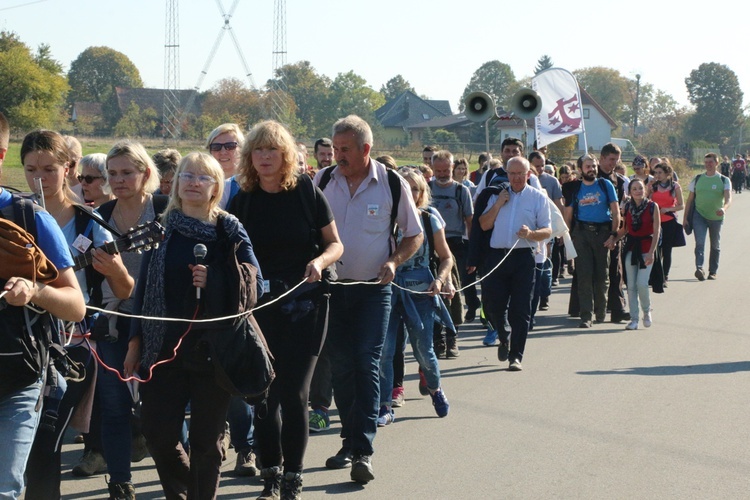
[[647, 319], [633, 325]]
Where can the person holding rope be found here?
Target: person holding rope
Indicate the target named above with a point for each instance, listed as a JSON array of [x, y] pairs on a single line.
[[274, 196], [519, 220], [166, 287], [43, 153], [57, 292], [367, 200], [415, 304]]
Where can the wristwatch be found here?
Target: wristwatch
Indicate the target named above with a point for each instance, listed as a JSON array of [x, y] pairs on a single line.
[[613, 234]]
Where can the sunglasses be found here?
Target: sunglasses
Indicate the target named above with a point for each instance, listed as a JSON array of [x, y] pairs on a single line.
[[88, 178], [229, 146]]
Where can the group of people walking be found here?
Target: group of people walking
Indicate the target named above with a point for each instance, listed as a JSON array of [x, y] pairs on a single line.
[[372, 256]]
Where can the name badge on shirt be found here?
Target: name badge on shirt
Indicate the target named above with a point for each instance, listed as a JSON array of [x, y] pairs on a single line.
[[82, 244], [266, 286], [713, 187], [372, 210]]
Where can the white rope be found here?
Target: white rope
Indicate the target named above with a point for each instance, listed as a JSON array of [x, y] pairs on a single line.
[[207, 320]]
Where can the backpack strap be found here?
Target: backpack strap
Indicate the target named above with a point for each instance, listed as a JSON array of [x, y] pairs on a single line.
[[394, 183], [22, 211], [309, 198], [325, 177], [430, 237]]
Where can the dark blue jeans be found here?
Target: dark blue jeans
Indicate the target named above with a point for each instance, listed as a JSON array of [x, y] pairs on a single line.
[[116, 406], [511, 285], [241, 427], [358, 323]]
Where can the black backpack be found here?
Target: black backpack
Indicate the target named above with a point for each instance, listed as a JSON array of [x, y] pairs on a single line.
[[25, 336]]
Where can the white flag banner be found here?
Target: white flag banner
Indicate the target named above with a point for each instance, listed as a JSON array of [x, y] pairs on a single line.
[[562, 110]]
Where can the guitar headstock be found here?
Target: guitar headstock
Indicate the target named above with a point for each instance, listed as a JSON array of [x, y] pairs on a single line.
[[143, 237]]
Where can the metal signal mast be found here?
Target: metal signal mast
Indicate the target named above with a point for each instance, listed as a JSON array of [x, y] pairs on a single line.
[[278, 89], [227, 15], [171, 111]]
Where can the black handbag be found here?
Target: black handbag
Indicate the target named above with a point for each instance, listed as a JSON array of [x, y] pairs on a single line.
[[241, 359]]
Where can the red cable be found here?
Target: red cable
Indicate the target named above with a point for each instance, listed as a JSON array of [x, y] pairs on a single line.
[[151, 368]]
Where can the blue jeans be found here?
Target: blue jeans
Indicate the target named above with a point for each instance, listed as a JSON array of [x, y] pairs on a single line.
[[701, 225], [116, 406], [241, 428], [638, 289], [418, 314], [18, 422], [358, 323]]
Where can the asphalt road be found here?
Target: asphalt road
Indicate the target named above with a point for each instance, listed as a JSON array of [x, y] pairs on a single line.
[[600, 413]]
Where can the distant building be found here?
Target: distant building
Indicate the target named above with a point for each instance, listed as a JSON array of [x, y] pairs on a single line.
[[401, 116], [405, 118]]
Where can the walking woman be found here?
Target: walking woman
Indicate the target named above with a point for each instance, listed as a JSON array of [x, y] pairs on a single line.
[[133, 178], [641, 233], [167, 288], [295, 238], [417, 311], [667, 193], [93, 179], [43, 470]]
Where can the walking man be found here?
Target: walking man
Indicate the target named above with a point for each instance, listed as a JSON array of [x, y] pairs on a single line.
[[363, 197], [707, 204]]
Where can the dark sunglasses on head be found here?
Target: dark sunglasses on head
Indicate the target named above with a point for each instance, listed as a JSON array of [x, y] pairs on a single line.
[[88, 178], [229, 146]]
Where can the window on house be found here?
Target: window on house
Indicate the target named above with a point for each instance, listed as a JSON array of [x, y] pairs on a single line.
[[586, 113], [425, 116]]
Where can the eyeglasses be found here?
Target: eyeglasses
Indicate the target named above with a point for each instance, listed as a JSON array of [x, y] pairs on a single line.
[[200, 179], [88, 178], [229, 146]]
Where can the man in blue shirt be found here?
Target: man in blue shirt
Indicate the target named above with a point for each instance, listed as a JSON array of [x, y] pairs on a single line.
[[519, 219], [593, 215]]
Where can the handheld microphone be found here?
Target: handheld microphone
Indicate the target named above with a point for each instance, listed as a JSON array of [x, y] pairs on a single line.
[[199, 251]]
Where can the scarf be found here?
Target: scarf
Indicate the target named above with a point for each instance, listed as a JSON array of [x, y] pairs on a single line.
[[636, 211], [154, 303]]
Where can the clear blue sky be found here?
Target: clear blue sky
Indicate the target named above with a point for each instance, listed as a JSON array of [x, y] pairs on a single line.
[[436, 45]]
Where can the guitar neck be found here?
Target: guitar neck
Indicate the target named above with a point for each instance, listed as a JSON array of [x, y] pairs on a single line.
[[111, 247]]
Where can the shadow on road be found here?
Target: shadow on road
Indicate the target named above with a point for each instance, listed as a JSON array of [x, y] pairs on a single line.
[[656, 371]]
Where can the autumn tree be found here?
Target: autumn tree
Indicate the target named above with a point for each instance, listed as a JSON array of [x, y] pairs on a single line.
[[715, 92], [231, 97], [32, 87], [395, 87]]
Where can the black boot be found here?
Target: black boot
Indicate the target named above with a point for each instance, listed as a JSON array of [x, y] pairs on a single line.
[[121, 491], [291, 486], [272, 483]]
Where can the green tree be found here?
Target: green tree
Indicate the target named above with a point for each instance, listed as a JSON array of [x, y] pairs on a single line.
[[544, 62], [95, 73], [715, 92], [608, 87], [309, 92], [495, 78], [137, 123], [445, 138], [45, 60], [350, 94], [395, 87], [30, 93]]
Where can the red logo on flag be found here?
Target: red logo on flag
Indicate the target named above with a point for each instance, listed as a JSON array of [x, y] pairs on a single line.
[[561, 119]]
